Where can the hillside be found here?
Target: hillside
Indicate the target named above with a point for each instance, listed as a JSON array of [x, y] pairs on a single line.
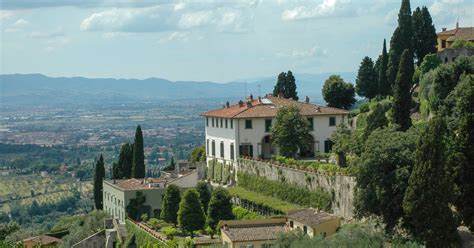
[[38, 89]]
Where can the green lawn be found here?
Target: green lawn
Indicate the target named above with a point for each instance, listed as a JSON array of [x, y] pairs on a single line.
[[263, 199]]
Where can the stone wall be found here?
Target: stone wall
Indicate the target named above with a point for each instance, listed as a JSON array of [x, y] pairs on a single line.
[[340, 187]]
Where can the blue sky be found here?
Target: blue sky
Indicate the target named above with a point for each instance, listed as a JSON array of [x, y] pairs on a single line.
[[201, 40]]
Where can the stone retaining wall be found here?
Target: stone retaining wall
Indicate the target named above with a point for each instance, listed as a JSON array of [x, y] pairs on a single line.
[[340, 187]]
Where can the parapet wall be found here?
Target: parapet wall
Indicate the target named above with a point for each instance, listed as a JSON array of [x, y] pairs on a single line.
[[340, 187]]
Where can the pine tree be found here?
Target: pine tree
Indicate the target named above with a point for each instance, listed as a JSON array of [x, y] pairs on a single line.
[[290, 87], [169, 209], [424, 34], [220, 207], [384, 87], [402, 39], [426, 203], [204, 194], [99, 175], [366, 82], [280, 85], [190, 214], [138, 169], [401, 92]]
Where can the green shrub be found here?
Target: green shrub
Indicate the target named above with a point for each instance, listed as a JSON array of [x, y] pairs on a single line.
[[243, 214]]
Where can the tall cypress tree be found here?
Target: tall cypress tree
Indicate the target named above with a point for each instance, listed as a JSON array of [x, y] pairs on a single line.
[[424, 34], [190, 214], [99, 175], [220, 207], [384, 87], [169, 209], [290, 87], [426, 203], [401, 91], [402, 39], [138, 169], [366, 82], [123, 169], [280, 85]]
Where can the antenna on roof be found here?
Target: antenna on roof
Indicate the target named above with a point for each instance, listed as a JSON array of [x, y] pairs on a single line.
[[245, 96], [259, 90], [457, 22]]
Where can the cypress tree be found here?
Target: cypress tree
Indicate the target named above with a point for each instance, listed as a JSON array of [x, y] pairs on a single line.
[[402, 39], [280, 85], [169, 209], [204, 194], [384, 87], [401, 94], [138, 169], [366, 82], [123, 169], [220, 207], [99, 175], [290, 87], [424, 34], [190, 215], [426, 203]]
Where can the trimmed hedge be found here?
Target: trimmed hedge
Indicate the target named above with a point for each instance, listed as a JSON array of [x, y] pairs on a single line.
[[262, 201], [286, 192]]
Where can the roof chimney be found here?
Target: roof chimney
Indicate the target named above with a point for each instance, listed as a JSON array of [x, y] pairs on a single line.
[[249, 104], [319, 109], [227, 104], [259, 99], [444, 29], [251, 97], [457, 25], [306, 99], [241, 103]]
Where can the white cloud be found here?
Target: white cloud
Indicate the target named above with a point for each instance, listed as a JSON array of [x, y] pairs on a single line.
[[182, 37], [17, 26], [5, 15], [21, 23], [47, 35], [325, 9], [313, 52], [195, 19]]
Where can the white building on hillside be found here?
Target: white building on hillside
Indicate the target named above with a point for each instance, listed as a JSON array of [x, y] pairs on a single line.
[[243, 129]]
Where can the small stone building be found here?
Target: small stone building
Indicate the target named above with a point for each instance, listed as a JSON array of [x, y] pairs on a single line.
[[252, 233], [313, 222]]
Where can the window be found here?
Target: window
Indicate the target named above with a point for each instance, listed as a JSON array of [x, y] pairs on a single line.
[[246, 150], [446, 60], [231, 124], [225, 123], [248, 124], [212, 122], [453, 59], [222, 149], [213, 148], [311, 125], [207, 121], [232, 151], [291, 223], [327, 146], [268, 125], [443, 43], [207, 147], [305, 229], [332, 121], [221, 123]]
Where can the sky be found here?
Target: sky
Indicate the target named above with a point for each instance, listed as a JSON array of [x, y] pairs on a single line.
[[207, 40]]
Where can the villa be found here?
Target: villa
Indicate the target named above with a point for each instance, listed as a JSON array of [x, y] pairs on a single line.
[[244, 129]]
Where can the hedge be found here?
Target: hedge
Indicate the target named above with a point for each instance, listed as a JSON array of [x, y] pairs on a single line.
[[285, 191], [262, 201]]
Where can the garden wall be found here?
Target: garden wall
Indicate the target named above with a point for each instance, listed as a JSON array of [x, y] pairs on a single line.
[[340, 187]]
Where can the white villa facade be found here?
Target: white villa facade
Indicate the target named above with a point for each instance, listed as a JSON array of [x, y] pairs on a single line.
[[243, 129]]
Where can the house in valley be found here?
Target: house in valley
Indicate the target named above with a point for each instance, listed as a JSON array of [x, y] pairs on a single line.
[[244, 129]]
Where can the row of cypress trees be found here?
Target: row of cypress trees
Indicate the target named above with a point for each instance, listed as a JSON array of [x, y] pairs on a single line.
[[131, 164]]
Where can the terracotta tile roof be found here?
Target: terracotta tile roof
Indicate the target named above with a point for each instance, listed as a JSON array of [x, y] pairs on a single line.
[[135, 184], [44, 240], [466, 33], [260, 109], [245, 230], [310, 216]]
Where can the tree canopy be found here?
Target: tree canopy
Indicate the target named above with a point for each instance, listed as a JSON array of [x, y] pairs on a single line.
[[220, 207], [337, 93], [99, 176], [138, 169], [286, 86], [204, 194], [424, 34], [402, 102], [123, 169], [171, 199], [290, 131], [190, 215], [366, 82]]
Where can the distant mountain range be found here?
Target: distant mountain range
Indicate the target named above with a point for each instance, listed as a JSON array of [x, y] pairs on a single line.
[[38, 89]]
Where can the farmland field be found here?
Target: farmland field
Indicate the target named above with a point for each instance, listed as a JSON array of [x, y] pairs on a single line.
[[25, 189]]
